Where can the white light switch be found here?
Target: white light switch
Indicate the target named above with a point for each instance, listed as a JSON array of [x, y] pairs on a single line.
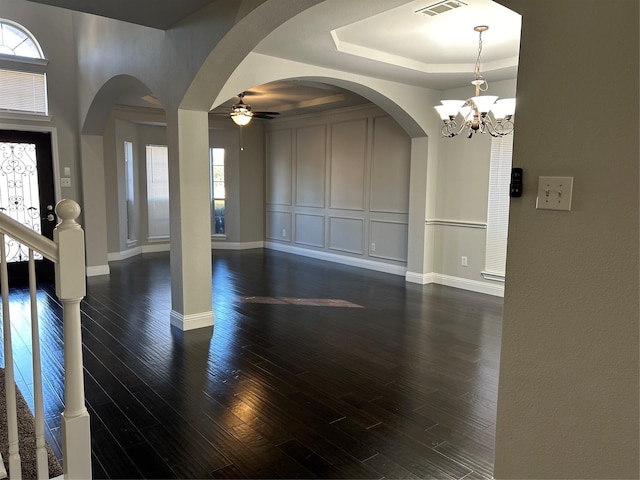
[[554, 193], [67, 171]]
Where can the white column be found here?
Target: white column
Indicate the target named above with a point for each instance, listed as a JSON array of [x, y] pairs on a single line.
[[71, 289], [421, 205], [190, 204]]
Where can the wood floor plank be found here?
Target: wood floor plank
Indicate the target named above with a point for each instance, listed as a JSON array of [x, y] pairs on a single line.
[[287, 385]]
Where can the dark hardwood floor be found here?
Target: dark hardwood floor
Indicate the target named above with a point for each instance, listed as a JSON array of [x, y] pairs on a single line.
[[313, 370]]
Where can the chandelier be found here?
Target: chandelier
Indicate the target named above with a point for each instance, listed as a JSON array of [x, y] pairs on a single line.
[[475, 110]]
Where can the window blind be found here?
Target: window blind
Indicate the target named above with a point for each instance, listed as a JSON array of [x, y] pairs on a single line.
[[23, 92], [498, 207], [158, 190]]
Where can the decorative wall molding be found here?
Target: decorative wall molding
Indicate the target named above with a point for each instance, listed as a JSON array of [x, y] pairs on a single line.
[[97, 270], [457, 223], [191, 322], [345, 260]]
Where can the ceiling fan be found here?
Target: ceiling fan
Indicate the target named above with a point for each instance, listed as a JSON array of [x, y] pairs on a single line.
[[242, 114]]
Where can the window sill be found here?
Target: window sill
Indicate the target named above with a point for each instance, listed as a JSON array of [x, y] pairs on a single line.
[[495, 276], [34, 117]]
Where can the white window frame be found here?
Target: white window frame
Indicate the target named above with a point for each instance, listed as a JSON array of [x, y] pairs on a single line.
[[129, 188], [214, 155], [23, 79]]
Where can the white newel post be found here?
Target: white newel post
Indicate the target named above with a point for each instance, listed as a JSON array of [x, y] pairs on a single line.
[[71, 289]]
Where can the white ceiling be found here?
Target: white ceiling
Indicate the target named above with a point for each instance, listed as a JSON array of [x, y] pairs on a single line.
[[380, 38]]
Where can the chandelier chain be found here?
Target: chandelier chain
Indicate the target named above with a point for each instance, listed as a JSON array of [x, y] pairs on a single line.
[[481, 84]]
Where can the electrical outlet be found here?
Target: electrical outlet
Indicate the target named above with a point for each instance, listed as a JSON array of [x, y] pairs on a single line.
[[373, 246], [284, 232], [463, 261], [65, 182]]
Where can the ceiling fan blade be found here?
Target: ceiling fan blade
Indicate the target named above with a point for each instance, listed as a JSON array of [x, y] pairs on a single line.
[[267, 113], [262, 115]]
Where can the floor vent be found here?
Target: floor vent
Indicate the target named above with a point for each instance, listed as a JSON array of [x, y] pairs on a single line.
[[441, 7]]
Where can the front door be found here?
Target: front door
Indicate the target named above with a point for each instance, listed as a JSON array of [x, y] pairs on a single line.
[[27, 195]]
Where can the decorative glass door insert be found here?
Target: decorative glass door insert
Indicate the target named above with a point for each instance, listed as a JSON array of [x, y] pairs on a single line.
[[19, 193]]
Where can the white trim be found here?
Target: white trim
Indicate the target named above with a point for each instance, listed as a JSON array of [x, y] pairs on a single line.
[[191, 322], [157, 247], [236, 245], [471, 285], [420, 278], [34, 117], [495, 276], [118, 256], [456, 223], [332, 257], [97, 270]]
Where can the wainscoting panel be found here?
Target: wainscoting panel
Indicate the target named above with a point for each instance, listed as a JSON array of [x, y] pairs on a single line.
[[348, 161], [311, 158], [279, 226], [346, 234], [390, 239], [390, 167], [279, 163], [310, 230]]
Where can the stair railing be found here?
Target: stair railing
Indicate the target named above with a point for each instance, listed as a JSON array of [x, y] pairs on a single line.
[[67, 252]]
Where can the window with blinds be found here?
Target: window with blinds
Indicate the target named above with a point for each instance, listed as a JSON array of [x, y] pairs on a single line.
[[158, 191], [20, 90], [498, 208]]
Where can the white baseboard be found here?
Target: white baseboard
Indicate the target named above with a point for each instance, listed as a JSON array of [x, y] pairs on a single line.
[[496, 290], [421, 278], [118, 256], [332, 257], [156, 247], [236, 245], [97, 270], [191, 322]]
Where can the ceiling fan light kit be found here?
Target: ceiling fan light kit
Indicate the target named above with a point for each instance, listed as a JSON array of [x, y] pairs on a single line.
[[475, 110], [241, 112]]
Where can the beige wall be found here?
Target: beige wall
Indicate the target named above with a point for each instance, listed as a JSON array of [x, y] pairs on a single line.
[[569, 378]]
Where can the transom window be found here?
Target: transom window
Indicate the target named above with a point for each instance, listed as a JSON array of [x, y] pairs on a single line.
[[23, 80], [16, 40]]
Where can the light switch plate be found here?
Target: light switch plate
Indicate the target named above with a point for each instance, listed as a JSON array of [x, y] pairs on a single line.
[[554, 193]]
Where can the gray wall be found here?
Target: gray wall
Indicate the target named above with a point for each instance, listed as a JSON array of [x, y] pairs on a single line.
[[461, 195], [243, 178], [338, 182], [53, 29]]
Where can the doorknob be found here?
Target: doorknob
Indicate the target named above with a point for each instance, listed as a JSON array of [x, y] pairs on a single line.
[[51, 217]]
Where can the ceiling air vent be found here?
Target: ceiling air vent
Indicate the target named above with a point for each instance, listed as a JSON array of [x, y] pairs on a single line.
[[441, 7]]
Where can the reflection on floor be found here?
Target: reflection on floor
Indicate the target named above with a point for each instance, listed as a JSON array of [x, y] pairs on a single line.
[[285, 385]]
